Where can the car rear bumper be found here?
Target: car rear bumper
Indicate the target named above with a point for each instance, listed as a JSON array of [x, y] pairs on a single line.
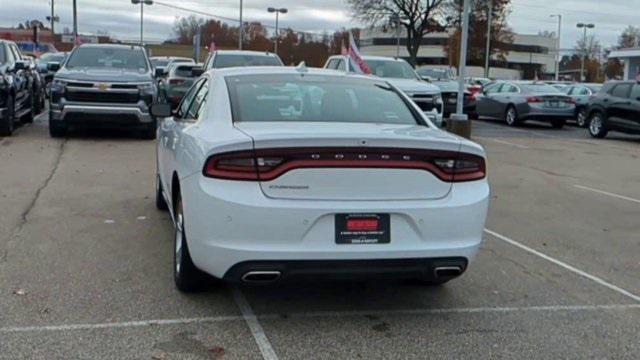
[[539, 112], [230, 222], [314, 270], [88, 115]]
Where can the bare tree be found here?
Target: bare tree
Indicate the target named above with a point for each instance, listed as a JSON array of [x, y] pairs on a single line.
[[418, 17]]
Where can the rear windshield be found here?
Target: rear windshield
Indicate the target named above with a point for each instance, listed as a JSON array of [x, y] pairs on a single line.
[[539, 89], [229, 60], [108, 57], [316, 98], [159, 62], [391, 69], [184, 71]]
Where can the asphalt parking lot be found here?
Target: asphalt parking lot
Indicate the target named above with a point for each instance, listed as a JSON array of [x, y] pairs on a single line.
[[86, 264]]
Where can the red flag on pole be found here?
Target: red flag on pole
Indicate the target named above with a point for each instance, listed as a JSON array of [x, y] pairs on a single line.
[[356, 60]]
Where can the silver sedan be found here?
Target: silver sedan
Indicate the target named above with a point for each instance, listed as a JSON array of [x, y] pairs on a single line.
[[518, 101]]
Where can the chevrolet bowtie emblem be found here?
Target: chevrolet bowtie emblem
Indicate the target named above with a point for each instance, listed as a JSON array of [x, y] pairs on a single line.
[[101, 86]]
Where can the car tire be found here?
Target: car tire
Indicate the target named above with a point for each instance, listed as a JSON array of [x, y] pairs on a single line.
[[187, 277], [597, 126], [161, 203], [581, 118], [558, 123], [6, 123], [511, 116]]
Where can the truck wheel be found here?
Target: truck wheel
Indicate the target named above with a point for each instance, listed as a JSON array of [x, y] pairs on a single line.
[[6, 124], [28, 118], [56, 129]]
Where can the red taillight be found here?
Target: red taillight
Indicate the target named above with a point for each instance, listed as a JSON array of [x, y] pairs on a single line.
[[176, 81], [269, 164], [466, 167], [534, 99]]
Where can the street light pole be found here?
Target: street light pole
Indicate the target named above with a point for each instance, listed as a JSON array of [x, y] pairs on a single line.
[[75, 23], [488, 51], [142, 4], [278, 12], [462, 69], [558, 36], [584, 54]]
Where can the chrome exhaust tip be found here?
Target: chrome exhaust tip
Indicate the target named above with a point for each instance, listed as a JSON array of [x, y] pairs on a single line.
[[447, 272], [261, 277]]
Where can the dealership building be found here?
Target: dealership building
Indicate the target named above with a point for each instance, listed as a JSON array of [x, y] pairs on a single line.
[[631, 58], [529, 55]]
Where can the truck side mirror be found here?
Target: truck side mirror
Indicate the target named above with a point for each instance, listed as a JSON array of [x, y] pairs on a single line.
[[53, 66]]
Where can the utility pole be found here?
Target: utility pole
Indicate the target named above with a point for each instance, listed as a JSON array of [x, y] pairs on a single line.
[[53, 18], [488, 51], [558, 36], [240, 29]]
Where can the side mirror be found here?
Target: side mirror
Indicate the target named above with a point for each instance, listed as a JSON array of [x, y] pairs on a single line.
[[161, 110], [159, 72], [20, 65], [197, 71], [53, 66]]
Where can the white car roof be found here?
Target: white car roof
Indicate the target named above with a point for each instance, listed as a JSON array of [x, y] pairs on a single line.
[[244, 52], [370, 57], [268, 70]]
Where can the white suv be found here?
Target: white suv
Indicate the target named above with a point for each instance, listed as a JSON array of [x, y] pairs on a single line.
[[400, 74]]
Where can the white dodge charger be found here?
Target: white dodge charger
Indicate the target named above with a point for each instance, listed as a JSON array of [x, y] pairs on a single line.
[[277, 174]]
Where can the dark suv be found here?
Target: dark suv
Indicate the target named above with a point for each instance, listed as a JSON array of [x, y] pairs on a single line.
[[615, 108], [103, 85], [17, 99]]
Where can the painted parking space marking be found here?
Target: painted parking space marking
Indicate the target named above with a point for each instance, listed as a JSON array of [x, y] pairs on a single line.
[[565, 266], [320, 314], [254, 326], [503, 142], [622, 197]]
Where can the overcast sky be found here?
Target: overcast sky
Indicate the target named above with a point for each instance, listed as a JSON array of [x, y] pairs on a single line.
[[121, 19]]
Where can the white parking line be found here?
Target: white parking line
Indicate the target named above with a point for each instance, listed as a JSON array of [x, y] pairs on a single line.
[[254, 326], [506, 143], [321, 314], [607, 193], [566, 266]]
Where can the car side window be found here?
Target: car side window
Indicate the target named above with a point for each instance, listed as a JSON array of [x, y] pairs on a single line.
[[621, 91], [199, 101], [340, 65], [494, 88], [183, 108], [508, 88], [635, 92], [332, 64], [584, 91]]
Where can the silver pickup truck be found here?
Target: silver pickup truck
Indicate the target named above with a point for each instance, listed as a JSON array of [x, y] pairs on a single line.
[[103, 86]]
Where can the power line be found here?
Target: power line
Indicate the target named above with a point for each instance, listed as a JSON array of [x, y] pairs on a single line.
[[599, 13]]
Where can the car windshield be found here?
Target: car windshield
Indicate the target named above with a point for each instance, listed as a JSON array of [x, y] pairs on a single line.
[[438, 74], [539, 89], [391, 69], [316, 98], [159, 62], [182, 61], [108, 57], [237, 60]]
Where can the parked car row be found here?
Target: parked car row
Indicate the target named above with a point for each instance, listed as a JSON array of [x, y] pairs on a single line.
[[21, 88]]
